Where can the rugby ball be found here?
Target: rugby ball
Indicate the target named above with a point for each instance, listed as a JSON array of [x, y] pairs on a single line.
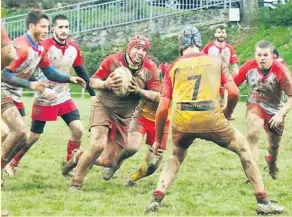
[[126, 75]]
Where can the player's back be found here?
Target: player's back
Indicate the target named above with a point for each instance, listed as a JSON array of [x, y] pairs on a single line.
[[196, 79]]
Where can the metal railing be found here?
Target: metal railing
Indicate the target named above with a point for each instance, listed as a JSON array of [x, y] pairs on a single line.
[[94, 15]]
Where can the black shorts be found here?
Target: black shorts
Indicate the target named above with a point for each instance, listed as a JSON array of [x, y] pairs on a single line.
[[38, 126]]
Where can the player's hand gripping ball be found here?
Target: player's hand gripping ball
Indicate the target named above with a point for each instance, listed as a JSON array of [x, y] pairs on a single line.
[[126, 77]]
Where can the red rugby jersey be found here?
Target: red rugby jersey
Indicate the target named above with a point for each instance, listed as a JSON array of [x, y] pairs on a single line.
[[147, 78]]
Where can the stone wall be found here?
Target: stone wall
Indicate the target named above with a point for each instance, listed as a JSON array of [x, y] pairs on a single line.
[[164, 26]]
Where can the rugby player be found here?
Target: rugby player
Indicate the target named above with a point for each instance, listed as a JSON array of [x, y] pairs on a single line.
[[30, 54], [267, 78], [142, 123], [192, 83], [63, 54], [277, 57], [111, 114], [221, 48]]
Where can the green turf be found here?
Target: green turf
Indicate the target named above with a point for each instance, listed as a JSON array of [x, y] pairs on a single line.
[[210, 182]]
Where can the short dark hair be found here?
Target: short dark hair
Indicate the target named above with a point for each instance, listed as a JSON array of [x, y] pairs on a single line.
[[276, 52], [34, 16], [221, 26], [59, 17], [264, 44]]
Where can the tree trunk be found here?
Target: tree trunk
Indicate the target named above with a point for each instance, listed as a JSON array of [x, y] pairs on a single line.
[[250, 8]]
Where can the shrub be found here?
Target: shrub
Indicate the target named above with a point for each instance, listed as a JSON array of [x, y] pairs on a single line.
[[281, 16]]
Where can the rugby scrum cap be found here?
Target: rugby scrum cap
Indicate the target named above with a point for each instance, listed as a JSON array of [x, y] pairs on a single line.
[[140, 40], [190, 36]]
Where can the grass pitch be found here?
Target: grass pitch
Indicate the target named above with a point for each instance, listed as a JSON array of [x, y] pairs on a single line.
[[210, 181]]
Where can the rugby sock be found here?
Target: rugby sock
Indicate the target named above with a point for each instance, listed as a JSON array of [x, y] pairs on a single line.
[[261, 197], [157, 196], [3, 164], [148, 167], [269, 157], [15, 161], [71, 145], [140, 173]]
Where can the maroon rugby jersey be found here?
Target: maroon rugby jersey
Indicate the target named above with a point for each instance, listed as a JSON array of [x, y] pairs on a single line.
[[147, 78]]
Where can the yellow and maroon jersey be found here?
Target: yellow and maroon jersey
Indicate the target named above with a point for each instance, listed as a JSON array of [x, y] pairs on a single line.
[[5, 40], [227, 53], [30, 55], [148, 109], [63, 58], [265, 90], [147, 77], [193, 82]]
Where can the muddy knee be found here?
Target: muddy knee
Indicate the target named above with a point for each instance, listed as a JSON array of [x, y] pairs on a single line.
[[21, 134], [253, 136], [106, 162], [77, 132]]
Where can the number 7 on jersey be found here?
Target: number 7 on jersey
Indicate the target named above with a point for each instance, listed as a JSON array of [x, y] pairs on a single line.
[[197, 85]]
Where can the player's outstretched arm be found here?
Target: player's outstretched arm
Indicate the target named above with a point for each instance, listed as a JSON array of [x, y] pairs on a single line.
[[54, 75], [80, 71], [8, 77]]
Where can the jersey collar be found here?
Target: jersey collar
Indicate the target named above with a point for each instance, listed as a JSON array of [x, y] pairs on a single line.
[[34, 45], [58, 44]]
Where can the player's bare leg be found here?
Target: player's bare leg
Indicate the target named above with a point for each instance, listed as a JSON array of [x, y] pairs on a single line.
[[149, 165], [20, 151], [98, 140], [271, 157], [17, 132], [254, 125], [132, 147], [4, 131], [167, 176], [240, 146], [108, 158]]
